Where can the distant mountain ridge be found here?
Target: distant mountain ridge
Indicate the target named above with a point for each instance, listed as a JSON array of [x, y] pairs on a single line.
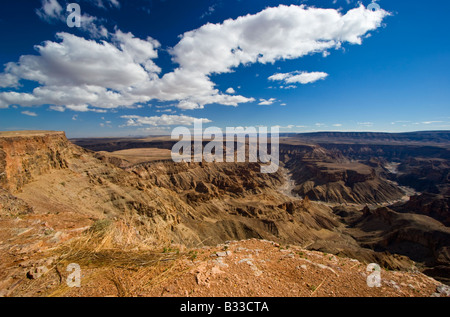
[[420, 136]]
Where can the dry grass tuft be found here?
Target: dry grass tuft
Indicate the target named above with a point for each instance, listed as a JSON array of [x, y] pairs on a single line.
[[113, 247], [117, 243], [111, 243]]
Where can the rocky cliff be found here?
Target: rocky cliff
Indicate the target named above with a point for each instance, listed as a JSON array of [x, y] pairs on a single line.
[[27, 155], [328, 176]]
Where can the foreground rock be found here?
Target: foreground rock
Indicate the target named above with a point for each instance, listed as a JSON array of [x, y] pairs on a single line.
[[251, 268]]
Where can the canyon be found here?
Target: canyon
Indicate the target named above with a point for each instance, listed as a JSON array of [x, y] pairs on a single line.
[[374, 198]]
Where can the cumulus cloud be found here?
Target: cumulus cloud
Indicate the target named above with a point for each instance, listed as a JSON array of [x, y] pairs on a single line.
[[164, 120], [268, 102], [76, 72], [8, 80], [298, 77], [76, 61], [84, 75], [283, 32], [230, 91], [188, 105], [280, 33], [52, 11]]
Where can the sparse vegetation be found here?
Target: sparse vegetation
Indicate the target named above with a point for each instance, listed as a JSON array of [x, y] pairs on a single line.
[[192, 255]]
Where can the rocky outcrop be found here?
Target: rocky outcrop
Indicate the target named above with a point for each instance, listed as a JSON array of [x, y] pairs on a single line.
[[420, 238], [13, 206], [24, 156], [246, 268], [425, 175], [210, 179], [341, 182], [237, 201], [432, 205]]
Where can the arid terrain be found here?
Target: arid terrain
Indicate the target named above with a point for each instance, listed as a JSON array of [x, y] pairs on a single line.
[[139, 224]]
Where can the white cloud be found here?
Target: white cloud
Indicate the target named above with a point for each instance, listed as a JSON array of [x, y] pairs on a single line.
[[8, 80], [105, 3], [188, 105], [288, 87], [121, 73], [337, 125], [29, 113], [230, 91], [288, 127], [366, 124], [141, 51], [298, 77], [57, 108], [83, 72], [210, 11], [50, 10], [264, 102], [164, 120], [283, 32], [166, 110]]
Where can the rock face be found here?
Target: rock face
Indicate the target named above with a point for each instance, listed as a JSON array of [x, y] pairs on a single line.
[[326, 176], [13, 206], [419, 237], [208, 179], [237, 201], [425, 175], [23, 157], [432, 205], [54, 176]]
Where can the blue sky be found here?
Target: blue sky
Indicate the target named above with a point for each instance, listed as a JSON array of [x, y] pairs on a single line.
[[132, 68]]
